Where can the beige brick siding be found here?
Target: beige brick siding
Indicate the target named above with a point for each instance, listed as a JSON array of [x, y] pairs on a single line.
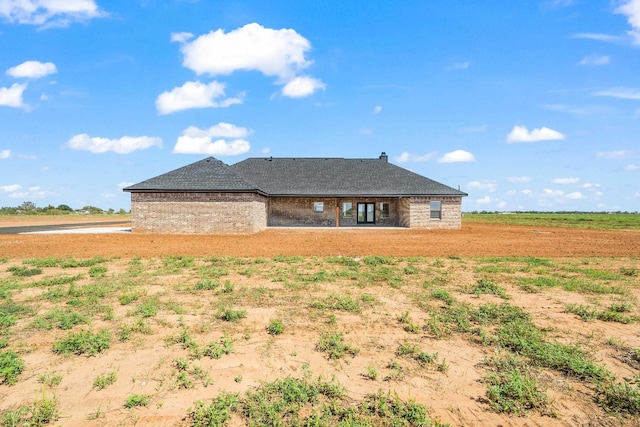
[[245, 213], [198, 213], [415, 213], [294, 211]]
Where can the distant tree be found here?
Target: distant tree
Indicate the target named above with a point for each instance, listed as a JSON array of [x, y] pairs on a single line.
[[91, 210], [64, 208], [28, 206]]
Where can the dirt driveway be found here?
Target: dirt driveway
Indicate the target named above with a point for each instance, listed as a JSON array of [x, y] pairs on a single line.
[[473, 240]]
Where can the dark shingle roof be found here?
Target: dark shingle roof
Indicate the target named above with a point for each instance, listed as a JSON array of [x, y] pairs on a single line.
[[299, 177], [337, 177], [209, 174]]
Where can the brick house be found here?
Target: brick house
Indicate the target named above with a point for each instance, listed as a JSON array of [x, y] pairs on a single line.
[[210, 197]]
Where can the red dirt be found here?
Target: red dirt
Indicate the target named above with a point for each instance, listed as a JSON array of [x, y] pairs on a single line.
[[473, 240]]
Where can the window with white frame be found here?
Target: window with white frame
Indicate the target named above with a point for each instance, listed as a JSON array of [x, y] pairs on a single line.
[[347, 209], [318, 206], [384, 210], [435, 207]]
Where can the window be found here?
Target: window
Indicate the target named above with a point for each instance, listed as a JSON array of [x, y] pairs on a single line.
[[435, 206], [384, 210], [318, 206], [347, 209]]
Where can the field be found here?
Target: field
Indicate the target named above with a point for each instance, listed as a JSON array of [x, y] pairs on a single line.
[[491, 325]]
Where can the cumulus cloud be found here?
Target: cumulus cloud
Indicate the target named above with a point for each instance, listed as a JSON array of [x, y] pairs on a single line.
[[11, 188], [49, 13], [406, 157], [519, 179], [274, 53], [631, 9], [589, 185], [595, 59], [566, 180], [229, 140], [124, 145], [302, 86], [620, 92], [487, 184], [12, 96], [377, 109], [457, 156], [484, 200], [194, 95], [615, 155], [32, 70], [125, 184], [630, 167], [522, 134], [5, 154]]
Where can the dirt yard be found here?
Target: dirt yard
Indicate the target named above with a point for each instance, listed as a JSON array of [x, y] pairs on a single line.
[[164, 311], [473, 240]]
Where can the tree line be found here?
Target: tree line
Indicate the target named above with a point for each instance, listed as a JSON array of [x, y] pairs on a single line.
[[30, 208]]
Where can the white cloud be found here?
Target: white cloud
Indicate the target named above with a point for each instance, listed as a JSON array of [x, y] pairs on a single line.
[[632, 167], [194, 95], [522, 134], [487, 184], [519, 179], [32, 193], [631, 9], [5, 154], [278, 53], [527, 192], [12, 96], [576, 195], [201, 141], [608, 38], [32, 70], [181, 37], [275, 53], [124, 145], [406, 157], [457, 156], [377, 109], [459, 66], [10, 188], [49, 13], [365, 131], [588, 185], [620, 92], [552, 193], [265, 150], [302, 86], [566, 180], [615, 155], [595, 59]]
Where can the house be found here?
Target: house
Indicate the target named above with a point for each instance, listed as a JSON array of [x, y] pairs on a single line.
[[210, 197]]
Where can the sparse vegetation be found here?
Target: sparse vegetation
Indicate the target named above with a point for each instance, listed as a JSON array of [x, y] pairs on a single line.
[[371, 308]]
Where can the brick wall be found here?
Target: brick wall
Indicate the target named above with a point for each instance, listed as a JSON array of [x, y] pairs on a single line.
[[198, 213], [419, 214], [295, 212]]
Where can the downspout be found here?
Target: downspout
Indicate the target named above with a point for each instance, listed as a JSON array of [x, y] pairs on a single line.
[[337, 216]]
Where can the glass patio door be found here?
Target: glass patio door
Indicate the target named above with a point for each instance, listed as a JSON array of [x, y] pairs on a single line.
[[366, 213]]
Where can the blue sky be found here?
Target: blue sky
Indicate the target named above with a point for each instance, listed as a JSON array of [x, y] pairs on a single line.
[[526, 105]]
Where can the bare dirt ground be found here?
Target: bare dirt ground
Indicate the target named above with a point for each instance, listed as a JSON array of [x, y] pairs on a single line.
[[473, 240], [145, 363]]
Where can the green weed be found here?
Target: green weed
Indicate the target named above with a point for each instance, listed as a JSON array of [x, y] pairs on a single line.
[[11, 366], [103, 381], [333, 345], [83, 342], [137, 400], [276, 327]]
